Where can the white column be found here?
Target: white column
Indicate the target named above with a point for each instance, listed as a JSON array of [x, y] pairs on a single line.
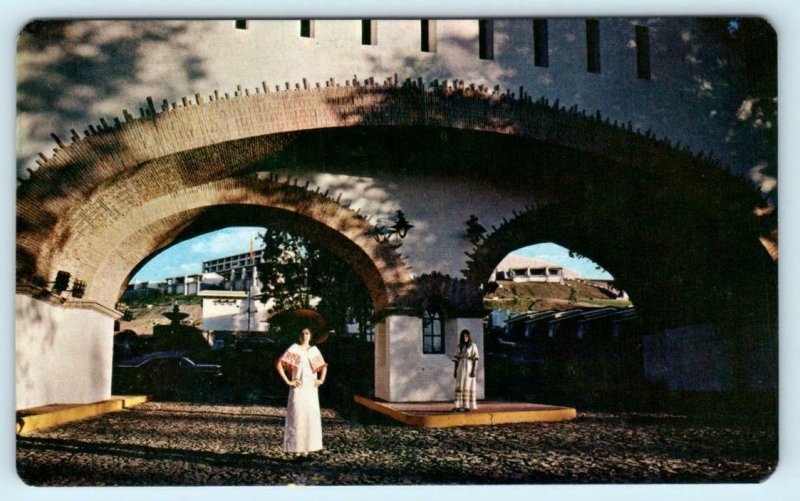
[[381, 378], [63, 355], [404, 374]]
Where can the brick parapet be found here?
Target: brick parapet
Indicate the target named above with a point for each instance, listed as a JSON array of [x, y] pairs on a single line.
[[188, 124]]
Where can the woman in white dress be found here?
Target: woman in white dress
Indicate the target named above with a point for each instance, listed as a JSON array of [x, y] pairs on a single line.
[[466, 360], [304, 370]]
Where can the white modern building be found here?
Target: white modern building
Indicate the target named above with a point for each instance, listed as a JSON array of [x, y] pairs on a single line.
[[526, 269], [234, 311]]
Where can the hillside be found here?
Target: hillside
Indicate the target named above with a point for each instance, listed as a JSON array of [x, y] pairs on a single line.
[[539, 296]]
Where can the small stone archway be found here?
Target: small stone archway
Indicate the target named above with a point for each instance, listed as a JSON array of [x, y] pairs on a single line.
[[709, 283], [106, 257]]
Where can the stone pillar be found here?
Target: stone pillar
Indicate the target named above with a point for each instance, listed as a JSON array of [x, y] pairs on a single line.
[[63, 354]]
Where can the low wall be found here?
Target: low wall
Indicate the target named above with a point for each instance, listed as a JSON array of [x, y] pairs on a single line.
[[63, 355]]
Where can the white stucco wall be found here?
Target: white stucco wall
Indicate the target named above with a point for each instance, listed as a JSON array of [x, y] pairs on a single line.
[[433, 203], [694, 96], [408, 375], [224, 315], [63, 355]]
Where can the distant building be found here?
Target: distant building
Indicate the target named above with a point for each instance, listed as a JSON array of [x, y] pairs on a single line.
[[527, 269], [609, 287], [238, 271], [143, 288], [234, 311], [188, 285], [231, 273]]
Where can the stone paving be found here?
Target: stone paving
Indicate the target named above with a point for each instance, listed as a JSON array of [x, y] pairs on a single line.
[[171, 443]]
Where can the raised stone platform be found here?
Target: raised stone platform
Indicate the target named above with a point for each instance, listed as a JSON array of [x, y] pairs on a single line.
[[440, 415], [46, 416]]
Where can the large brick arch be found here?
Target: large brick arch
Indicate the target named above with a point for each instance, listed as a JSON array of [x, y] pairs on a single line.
[[141, 181], [107, 255], [676, 271]]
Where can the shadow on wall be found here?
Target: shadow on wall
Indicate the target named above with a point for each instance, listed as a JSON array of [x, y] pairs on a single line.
[[69, 72], [37, 341], [87, 53], [706, 63]]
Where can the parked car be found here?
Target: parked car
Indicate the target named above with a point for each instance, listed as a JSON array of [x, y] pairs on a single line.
[[161, 372]]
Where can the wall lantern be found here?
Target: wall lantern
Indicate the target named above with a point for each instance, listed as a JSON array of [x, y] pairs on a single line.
[[61, 284], [401, 225], [382, 233]]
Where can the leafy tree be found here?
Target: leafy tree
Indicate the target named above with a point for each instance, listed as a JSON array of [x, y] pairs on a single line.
[[282, 270], [294, 272], [343, 297]]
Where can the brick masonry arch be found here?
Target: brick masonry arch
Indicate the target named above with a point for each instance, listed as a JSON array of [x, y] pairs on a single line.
[[157, 169], [678, 232], [675, 272], [108, 254]]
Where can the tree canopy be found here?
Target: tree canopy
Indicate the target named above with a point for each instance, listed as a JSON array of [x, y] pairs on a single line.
[[298, 274]]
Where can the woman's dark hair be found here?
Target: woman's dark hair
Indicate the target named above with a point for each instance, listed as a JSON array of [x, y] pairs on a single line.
[[461, 344]]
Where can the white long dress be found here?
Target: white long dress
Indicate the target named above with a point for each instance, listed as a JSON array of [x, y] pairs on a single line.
[[303, 429], [466, 396]]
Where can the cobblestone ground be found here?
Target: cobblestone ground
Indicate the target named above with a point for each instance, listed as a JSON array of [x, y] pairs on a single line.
[[161, 443]]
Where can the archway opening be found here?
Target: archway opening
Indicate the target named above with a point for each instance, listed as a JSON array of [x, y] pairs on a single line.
[[241, 296], [560, 325]]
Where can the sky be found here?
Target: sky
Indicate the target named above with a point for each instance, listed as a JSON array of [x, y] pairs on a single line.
[[186, 258]]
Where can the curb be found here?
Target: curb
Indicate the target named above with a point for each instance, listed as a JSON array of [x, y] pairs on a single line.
[[46, 416]]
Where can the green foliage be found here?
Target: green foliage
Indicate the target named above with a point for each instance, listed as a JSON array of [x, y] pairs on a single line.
[[283, 270], [525, 296], [573, 294], [294, 271], [342, 293], [617, 303], [178, 337]]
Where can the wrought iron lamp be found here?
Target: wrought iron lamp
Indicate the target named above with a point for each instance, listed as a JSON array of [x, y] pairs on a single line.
[[382, 233], [475, 230], [401, 224]]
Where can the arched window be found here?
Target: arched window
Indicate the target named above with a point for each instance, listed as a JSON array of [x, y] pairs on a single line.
[[432, 332]]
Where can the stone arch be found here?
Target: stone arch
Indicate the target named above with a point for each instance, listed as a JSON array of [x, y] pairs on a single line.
[[673, 223], [676, 273], [91, 186], [107, 255]]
